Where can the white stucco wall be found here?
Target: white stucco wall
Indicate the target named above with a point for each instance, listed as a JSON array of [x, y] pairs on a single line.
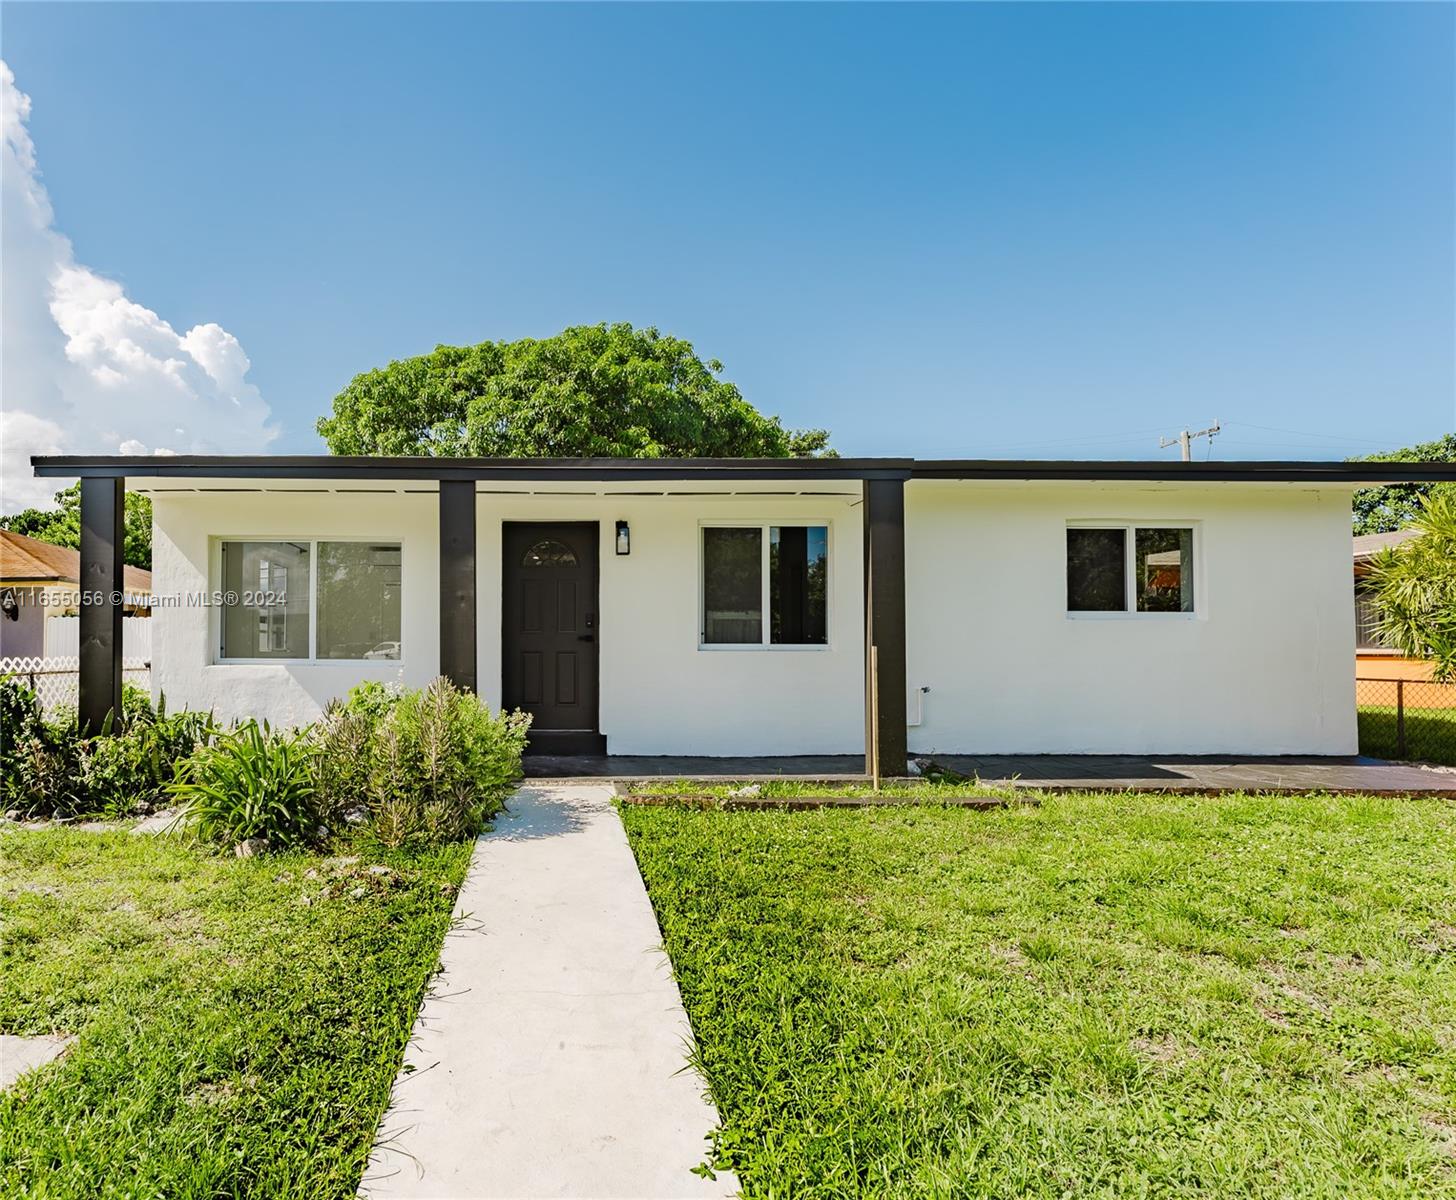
[[186, 527], [1265, 665], [660, 693]]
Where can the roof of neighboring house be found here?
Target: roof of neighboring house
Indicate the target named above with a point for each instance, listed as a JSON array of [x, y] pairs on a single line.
[[29, 560], [1368, 545]]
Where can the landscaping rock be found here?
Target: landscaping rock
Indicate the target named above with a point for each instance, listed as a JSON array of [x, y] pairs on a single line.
[[251, 847], [357, 816], [750, 789], [14, 814]]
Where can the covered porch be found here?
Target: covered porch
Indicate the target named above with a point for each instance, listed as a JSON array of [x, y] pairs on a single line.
[[454, 520]]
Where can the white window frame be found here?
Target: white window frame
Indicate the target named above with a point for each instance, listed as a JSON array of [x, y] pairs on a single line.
[[215, 571], [765, 526], [1130, 612]]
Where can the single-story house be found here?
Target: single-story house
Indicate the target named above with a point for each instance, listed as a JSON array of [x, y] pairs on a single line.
[[756, 606], [41, 581]]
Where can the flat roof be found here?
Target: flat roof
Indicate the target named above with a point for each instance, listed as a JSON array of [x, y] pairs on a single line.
[[331, 466]]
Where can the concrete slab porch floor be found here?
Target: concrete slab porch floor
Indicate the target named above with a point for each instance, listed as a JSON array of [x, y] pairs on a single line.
[[550, 1057], [1058, 772]]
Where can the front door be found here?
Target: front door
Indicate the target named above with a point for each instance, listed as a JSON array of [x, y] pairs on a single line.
[[549, 627]]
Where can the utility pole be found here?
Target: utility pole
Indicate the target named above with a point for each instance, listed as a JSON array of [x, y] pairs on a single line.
[[1184, 441]]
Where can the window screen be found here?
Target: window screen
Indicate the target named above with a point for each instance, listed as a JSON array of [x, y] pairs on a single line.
[[732, 586], [1096, 570], [265, 599]]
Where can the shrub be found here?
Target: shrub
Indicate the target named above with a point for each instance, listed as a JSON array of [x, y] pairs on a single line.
[[442, 764], [252, 782], [40, 772], [344, 738]]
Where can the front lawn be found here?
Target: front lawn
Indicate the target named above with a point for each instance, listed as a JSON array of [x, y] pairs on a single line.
[[1107, 995], [239, 1022]]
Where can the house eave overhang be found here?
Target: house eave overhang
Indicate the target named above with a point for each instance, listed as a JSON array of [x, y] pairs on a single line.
[[420, 467], [328, 467], [1349, 474]]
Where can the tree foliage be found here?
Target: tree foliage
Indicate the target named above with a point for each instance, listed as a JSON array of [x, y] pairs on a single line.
[[590, 391], [61, 526], [1386, 509], [1413, 586]]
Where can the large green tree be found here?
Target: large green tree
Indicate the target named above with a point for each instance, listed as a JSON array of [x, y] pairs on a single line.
[[1386, 509], [1414, 588], [590, 391], [61, 526]]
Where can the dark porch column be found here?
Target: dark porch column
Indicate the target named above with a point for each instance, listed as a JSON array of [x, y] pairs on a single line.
[[884, 535], [102, 543], [457, 582]]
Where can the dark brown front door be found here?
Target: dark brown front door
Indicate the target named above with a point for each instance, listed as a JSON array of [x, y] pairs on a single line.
[[549, 626]]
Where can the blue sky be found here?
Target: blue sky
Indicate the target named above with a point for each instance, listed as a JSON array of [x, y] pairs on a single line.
[[1021, 231]]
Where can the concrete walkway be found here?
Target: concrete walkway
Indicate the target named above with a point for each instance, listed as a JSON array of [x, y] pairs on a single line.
[[550, 1058]]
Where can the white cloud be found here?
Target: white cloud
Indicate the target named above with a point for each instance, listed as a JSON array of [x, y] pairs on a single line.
[[84, 368]]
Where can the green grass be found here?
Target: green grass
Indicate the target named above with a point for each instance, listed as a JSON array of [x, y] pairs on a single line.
[[1430, 733], [1106, 996], [930, 791], [237, 1031]]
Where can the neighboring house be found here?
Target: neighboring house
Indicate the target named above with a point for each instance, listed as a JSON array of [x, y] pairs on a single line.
[[39, 581], [1373, 659], [759, 607]]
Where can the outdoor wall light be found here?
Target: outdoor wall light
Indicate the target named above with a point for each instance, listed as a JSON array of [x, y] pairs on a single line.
[[624, 538]]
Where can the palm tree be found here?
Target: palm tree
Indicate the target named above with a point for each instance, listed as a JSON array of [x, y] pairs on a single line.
[[1413, 587]]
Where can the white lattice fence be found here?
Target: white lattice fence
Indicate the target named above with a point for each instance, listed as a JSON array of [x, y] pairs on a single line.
[[56, 680]]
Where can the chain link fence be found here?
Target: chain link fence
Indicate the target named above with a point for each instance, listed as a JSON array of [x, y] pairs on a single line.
[[56, 681], [1407, 718]]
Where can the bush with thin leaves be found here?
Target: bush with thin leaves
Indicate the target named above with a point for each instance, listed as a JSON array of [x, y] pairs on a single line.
[[442, 765], [253, 782]]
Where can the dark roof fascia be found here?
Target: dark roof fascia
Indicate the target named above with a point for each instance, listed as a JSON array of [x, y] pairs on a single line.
[[1354, 474], [330, 466]]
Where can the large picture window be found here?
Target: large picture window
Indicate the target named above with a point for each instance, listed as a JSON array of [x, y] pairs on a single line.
[[305, 600], [777, 571], [1130, 569]]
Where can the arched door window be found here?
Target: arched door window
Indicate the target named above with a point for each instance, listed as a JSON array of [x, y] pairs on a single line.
[[549, 553]]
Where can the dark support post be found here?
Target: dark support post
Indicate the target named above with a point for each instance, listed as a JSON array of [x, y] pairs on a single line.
[[457, 582], [884, 535], [101, 583]]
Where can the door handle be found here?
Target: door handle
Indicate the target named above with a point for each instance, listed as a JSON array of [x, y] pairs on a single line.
[[586, 637]]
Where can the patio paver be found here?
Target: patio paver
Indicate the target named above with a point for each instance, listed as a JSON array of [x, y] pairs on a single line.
[[550, 1057]]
